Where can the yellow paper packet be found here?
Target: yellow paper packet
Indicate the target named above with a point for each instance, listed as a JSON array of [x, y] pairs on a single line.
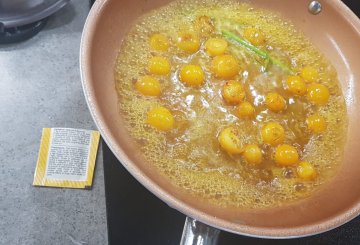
[[66, 158]]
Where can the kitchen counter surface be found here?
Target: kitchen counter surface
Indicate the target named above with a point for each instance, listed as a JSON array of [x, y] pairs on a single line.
[[40, 87]]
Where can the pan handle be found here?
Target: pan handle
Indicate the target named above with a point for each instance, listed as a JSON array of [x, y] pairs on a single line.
[[197, 233]]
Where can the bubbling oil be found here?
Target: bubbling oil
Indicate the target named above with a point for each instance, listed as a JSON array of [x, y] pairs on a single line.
[[189, 155]]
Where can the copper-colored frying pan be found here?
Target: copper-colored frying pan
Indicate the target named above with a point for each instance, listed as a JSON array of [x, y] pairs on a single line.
[[335, 31]]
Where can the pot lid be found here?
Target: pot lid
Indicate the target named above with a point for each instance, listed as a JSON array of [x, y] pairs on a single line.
[[14, 13]]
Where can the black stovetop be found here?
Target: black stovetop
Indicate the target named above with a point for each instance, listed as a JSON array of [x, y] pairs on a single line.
[[136, 216]]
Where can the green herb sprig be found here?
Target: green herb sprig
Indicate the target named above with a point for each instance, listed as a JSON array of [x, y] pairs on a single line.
[[232, 36]]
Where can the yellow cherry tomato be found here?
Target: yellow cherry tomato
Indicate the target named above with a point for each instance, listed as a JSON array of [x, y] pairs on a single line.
[[296, 85], [252, 154], [188, 42], [318, 94], [310, 74], [216, 46], [229, 141], [233, 92], [161, 118], [286, 155], [306, 171], [254, 36], [246, 110], [225, 66], [316, 123], [192, 75], [159, 42], [148, 85], [159, 66], [272, 133], [275, 102]]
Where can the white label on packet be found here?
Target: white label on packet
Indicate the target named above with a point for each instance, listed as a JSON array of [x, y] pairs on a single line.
[[68, 154]]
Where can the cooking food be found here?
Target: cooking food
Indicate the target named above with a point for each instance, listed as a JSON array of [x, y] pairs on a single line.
[[231, 103]]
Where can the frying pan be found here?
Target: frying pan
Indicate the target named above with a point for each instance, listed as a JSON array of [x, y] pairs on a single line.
[[335, 31]]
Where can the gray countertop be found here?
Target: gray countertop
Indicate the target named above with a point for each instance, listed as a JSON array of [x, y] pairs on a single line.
[[40, 87]]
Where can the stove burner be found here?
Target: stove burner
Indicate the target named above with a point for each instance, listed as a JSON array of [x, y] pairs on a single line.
[[21, 33]]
